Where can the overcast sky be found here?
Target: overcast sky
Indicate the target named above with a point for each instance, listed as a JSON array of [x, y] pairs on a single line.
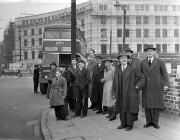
[[9, 9]]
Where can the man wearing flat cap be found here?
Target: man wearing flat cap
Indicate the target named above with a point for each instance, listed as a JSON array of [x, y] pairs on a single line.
[[97, 89], [82, 82], [156, 81], [51, 75], [128, 80]]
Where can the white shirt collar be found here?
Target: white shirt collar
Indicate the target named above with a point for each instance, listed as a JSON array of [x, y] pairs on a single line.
[[151, 59], [123, 67]]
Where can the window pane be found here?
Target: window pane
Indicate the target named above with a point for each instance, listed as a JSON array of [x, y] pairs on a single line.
[[138, 19], [176, 32], [33, 55], [25, 56], [103, 20], [136, 7], [145, 20], [119, 32], [164, 20], [164, 47], [160, 7], [177, 48], [157, 20], [119, 20], [141, 7], [138, 33], [155, 7], [40, 41], [127, 19], [103, 49], [146, 33], [25, 42], [146, 7], [158, 47], [157, 33], [164, 32], [139, 47], [176, 20], [103, 33], [127, 33], [120, 48]]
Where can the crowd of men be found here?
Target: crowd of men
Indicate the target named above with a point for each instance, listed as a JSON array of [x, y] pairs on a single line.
[[115, 89]]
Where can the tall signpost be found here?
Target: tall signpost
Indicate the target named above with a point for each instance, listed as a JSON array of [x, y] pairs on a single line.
[[73, 29], [124, 23]]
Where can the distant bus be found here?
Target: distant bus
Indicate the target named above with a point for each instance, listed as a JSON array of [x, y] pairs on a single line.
[[57, 47]]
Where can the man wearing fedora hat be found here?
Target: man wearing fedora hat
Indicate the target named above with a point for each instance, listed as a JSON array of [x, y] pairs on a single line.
[[97, 88], [156, 81], [128, 80], [82, 81]]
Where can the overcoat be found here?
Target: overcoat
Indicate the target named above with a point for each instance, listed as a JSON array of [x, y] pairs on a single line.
[[91, 64], [73, 85], [107, 88], [58, 90], [127, 97], [98, 74], [155, 78]]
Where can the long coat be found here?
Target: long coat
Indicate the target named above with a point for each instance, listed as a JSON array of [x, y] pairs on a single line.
[[73, 85], [91, 64], [155, 78], [58, 90], [127, 98], [107, 88], [98, 74]]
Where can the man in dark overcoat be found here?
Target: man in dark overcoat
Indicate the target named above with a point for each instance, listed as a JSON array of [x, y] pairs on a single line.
[[36, 78], [156, 81], [97, 89], [134, 61], [70, 78], [82, 82], [91, 64], [127, 81], [73, 68]]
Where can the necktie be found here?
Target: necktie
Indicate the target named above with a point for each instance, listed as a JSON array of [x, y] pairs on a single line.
[[149, 62]]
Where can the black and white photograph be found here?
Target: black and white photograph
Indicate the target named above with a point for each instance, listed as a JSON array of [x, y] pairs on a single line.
[[89, 69]]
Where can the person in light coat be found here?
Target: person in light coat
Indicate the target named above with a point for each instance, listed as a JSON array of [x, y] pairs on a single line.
[[107, 88], [58, 94]]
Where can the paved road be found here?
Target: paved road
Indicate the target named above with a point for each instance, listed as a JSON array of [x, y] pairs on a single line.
[[20, 109]]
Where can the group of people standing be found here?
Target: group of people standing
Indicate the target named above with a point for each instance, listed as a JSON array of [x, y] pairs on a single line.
[[112, 89]]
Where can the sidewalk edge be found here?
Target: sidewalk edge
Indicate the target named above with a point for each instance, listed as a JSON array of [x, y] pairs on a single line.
[[44, 127]]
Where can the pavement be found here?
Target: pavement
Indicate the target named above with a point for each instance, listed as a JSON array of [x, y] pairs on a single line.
[[97, 127]]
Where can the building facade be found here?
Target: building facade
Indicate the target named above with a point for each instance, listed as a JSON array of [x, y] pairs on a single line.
[[154, 22]]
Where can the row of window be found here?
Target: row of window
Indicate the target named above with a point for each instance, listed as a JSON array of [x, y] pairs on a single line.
[[32, 55], [143, 20], [33, 32], [51, 18], [32, 42], [160, 48], [139, 33], [141, 7]]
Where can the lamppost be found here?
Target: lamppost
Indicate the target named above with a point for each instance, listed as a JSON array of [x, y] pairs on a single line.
[[20, 45], [124, 23]]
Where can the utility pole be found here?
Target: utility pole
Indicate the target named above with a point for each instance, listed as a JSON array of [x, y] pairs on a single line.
[[124, 27], [73, 29], [110, 42], [124, 23], [20, 45]]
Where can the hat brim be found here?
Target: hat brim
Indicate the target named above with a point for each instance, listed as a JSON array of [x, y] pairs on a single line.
[[149, 49], [104, 60], [123, 55]]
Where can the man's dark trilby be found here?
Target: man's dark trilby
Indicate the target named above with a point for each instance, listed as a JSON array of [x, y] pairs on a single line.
[[148, 47], [123, 54]]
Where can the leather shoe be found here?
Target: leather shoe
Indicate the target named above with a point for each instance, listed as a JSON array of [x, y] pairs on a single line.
[[112, 118], [147, 125], [82, 116], [94, 109], [108, 116], [91, 107], [75, 115], [104, 112], [121, 127], [99, 111], [156, 126], [128, 128]]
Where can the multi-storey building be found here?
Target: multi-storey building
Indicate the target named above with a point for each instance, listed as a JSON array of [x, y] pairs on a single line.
[[154, 22]]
